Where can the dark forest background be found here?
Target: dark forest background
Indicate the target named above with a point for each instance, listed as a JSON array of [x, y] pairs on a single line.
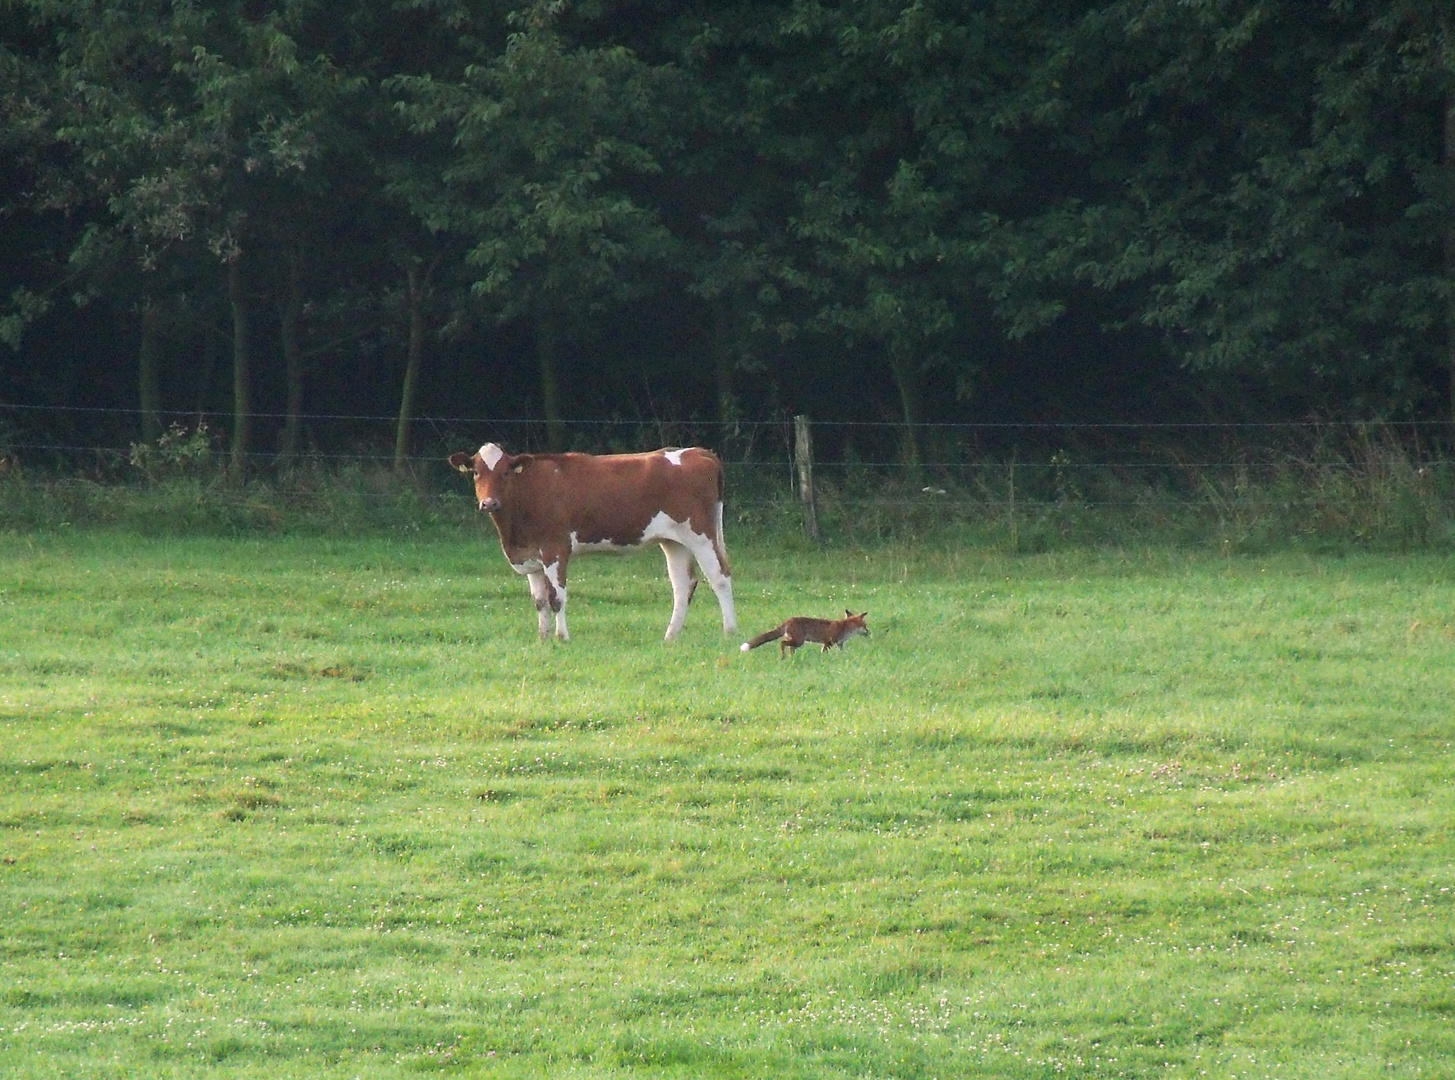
[[1141, 211]]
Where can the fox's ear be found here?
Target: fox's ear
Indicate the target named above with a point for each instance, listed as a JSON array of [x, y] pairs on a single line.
[[849, 613]]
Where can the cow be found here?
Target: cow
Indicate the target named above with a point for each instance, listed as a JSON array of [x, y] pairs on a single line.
[[549, 507]]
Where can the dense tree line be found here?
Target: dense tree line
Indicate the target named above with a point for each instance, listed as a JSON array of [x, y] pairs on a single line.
[[924, 210]]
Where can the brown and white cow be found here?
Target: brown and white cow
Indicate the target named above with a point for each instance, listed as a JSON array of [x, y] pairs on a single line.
[[548, 507]]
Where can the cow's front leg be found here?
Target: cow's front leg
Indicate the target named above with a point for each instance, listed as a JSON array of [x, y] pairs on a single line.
[[540, 592], [555, 574]]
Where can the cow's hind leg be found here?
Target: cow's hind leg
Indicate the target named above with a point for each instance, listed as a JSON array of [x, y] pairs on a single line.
[[714, 568], [679, 572]]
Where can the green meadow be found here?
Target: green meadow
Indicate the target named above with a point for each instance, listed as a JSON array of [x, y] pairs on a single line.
[[292, 807]]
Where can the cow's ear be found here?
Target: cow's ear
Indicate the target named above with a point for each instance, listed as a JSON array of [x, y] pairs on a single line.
[[521, 463], [460, 462]]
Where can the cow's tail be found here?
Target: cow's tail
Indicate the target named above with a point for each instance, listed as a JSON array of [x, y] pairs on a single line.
[[717, 541], [763, 639]]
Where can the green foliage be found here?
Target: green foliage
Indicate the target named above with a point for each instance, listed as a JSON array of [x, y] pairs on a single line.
[[177, 452], [1236, 186], [188, 493], [547, 136], [278, 806], [24, 308], [1262, 229]]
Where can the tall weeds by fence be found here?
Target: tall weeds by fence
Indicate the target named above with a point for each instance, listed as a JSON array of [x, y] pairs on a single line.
[[1018, 488], [1371, 487]]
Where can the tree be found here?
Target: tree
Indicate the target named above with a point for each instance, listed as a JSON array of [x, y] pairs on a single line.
[[1259, 179], [549, 137], [729, 188], [1253, 186], [188, 134], [880, 115], [1411, 45], [91, 91]]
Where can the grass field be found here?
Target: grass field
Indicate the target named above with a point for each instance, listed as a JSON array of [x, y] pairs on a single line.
[[325, 808]]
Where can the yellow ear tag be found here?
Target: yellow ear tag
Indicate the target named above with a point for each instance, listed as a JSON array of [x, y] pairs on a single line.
[[518, 468]]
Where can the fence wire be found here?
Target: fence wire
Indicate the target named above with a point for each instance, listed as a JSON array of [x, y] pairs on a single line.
[[1095, 464]]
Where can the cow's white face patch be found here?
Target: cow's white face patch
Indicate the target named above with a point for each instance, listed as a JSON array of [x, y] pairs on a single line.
[[491, 454], [674, 456]]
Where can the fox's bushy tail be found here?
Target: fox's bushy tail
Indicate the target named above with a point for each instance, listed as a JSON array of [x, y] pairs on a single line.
[[763, 639]]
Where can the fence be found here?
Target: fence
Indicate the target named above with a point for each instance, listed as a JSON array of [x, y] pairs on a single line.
[[1025, 485]]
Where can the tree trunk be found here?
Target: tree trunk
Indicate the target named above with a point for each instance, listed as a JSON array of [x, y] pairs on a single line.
[[410, 392], [547, 356], [209, 365], [149, 388], [906, 379], [1449, 163], [292, 316], [242, 401], [724, 368]]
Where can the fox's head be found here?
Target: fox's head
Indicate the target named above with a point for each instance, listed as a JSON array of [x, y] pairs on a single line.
[[855, 624]]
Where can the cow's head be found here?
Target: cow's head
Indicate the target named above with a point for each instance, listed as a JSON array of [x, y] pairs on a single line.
[[492, 469]]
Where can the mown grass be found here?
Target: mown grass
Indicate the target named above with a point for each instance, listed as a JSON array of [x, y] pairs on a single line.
[[321, 807]]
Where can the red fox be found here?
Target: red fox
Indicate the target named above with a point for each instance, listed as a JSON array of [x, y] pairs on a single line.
[[826, 632]]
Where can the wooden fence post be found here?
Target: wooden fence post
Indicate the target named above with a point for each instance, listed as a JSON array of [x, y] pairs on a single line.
[[803, 459]]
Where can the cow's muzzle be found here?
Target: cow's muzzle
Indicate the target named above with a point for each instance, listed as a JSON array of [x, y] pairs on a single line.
[[489, 506]]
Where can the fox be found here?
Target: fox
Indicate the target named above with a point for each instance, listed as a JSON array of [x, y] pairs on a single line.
[[800, 629]]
